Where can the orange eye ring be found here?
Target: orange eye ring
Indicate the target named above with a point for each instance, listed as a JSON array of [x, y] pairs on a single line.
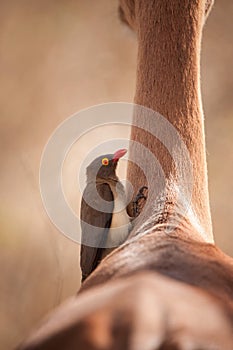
[[105, 161]]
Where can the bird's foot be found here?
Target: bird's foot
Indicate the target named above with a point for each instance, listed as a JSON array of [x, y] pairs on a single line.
[[136, 206]]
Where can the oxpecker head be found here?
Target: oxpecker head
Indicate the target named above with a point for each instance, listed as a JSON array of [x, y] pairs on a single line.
[[104, 167]]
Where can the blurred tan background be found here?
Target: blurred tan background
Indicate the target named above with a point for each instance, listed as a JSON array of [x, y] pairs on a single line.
[[56, 58]]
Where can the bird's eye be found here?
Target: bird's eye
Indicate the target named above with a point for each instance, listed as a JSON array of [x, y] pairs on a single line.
[[105, 161]]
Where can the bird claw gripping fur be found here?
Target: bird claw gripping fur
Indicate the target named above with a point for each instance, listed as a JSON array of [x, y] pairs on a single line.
[[139, 201]]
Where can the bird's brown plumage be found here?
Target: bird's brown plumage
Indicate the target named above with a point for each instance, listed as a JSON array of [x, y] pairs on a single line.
[[97, 208], [95, 225]]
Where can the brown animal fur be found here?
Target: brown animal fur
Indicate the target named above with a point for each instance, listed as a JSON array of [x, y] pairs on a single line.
[[128, 303]]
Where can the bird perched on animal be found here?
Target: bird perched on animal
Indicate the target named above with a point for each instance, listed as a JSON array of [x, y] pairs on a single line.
[[105, 223]]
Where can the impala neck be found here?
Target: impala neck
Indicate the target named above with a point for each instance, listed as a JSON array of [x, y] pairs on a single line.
[[168, 81]]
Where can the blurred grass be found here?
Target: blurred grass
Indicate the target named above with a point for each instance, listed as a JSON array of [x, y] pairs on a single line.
[[56, 58]]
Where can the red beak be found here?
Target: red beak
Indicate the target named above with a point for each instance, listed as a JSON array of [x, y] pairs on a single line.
[[118, 154]]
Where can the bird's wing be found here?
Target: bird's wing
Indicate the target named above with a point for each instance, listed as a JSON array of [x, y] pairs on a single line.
[[95, 225]]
